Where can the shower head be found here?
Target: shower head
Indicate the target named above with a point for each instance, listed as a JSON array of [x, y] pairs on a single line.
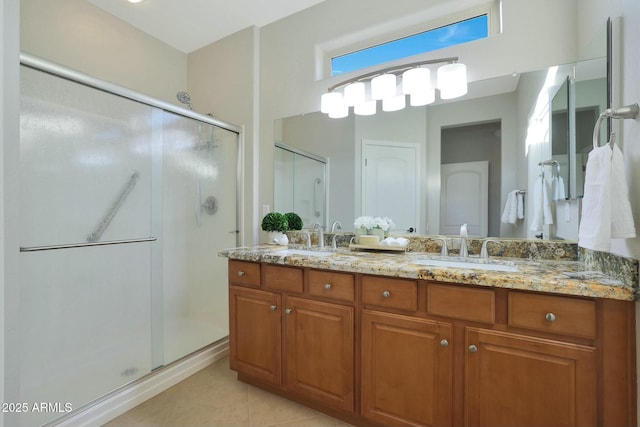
[[184, 98]]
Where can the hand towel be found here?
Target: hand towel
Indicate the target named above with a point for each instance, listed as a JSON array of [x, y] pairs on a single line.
[[605, 184], [557, 188], [542, 214], [510, 214], [520, 199]]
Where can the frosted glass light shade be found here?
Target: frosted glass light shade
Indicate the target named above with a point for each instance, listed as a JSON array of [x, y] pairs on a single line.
[[422, 98], [383, 86], [354, 94], [416, 80], [366, 108], [339, 111], [394, 103], [329, 101], [452, 80]]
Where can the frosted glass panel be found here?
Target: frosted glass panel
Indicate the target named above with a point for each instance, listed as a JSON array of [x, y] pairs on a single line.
[[82, 151], [84, 324], [199, 219]]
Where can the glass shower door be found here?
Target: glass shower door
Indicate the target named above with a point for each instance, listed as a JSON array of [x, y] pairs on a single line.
[[198, 220], [85, 179]]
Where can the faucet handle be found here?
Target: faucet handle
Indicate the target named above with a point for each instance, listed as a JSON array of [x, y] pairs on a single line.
[[484, 252], [444, 251]]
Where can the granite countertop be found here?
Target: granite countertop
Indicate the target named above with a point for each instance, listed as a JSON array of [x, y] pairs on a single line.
[[566, 277]]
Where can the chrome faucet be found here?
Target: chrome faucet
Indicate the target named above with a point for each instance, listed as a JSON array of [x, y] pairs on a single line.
[[464, 250], [320, 234], [444, 251], [335, 226], [308, 236], [484, 252]]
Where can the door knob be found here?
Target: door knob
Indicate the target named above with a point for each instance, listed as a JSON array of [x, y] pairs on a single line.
[[273, 307], [473, 348], [288, 310], [240, 273], [550, 317], [327, 286], [444, 342]]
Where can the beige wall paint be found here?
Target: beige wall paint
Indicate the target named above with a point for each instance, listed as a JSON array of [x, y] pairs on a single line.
[[223, 82], [78, 35]]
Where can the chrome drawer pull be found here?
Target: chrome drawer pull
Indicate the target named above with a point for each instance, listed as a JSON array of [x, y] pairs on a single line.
[[550, 317], [444, 343], [327, 286], [273, 307], [386, 294], [473, 348], [240, 273]]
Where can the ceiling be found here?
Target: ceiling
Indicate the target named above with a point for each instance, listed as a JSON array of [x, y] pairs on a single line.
[[188, 25]]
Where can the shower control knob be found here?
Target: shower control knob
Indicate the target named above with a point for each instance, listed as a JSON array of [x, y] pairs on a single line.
[[273, 307]]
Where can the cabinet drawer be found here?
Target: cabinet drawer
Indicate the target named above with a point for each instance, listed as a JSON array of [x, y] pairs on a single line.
[[287, 279], [550, 313], [476, 305], [338, 286], [390, 293], [244, 273]]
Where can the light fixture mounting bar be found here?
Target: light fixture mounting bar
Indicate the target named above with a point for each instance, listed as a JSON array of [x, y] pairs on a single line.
[[395, 69]]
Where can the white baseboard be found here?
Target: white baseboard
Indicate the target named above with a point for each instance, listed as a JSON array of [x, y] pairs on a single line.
[[131, 396]]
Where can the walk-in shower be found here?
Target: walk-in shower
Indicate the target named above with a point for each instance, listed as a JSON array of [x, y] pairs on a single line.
[[116, 277]]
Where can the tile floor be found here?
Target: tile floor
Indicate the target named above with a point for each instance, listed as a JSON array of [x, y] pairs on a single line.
[[214, 397]]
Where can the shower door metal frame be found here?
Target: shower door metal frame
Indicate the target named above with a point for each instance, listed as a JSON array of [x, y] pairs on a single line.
[[40, 64]]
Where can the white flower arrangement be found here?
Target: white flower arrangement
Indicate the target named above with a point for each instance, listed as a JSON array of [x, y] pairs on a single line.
[[369, 222]]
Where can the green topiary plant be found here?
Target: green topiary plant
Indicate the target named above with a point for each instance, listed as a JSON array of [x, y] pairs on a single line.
[[275, 221], [294, 220]]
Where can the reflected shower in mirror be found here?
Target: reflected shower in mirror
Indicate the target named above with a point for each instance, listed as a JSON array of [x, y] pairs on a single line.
[[300, 184]]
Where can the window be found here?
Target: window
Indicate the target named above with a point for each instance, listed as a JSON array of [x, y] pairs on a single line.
[[449, 35]]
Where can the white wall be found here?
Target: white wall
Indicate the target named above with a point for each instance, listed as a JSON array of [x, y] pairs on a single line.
[[9, 159]]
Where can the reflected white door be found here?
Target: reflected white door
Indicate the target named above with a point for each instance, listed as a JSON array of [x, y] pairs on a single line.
[[390, 182], [464, 191]]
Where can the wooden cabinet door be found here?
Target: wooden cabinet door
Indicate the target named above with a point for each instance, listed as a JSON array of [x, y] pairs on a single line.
[[319, 351], [255, 333], [514, 380], [406, 370]]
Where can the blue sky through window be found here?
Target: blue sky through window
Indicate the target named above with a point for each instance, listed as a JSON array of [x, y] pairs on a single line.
[[449, 35]]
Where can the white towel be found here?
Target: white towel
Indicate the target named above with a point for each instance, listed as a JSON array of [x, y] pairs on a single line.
[[542, 214], [520, 198], [510, 214], [605, 185], [557, 188]]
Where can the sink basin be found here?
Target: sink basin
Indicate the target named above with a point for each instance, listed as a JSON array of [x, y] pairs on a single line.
[[306, 252], [475, 264]]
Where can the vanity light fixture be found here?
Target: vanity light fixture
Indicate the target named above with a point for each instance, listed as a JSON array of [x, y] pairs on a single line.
[[392, 85], [135, 1]]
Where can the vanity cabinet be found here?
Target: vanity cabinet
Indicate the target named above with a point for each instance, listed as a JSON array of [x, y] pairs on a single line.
[[378, 350], [295, 340]]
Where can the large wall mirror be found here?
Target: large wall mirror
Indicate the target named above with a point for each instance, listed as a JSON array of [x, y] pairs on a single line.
[[503, 112]]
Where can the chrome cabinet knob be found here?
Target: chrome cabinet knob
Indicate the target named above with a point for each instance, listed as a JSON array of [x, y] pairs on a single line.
[[288, 310], [327, 286], [240, 273], [473, 348], [444, 342], [386, 294], [273, 307], [550, 317]]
